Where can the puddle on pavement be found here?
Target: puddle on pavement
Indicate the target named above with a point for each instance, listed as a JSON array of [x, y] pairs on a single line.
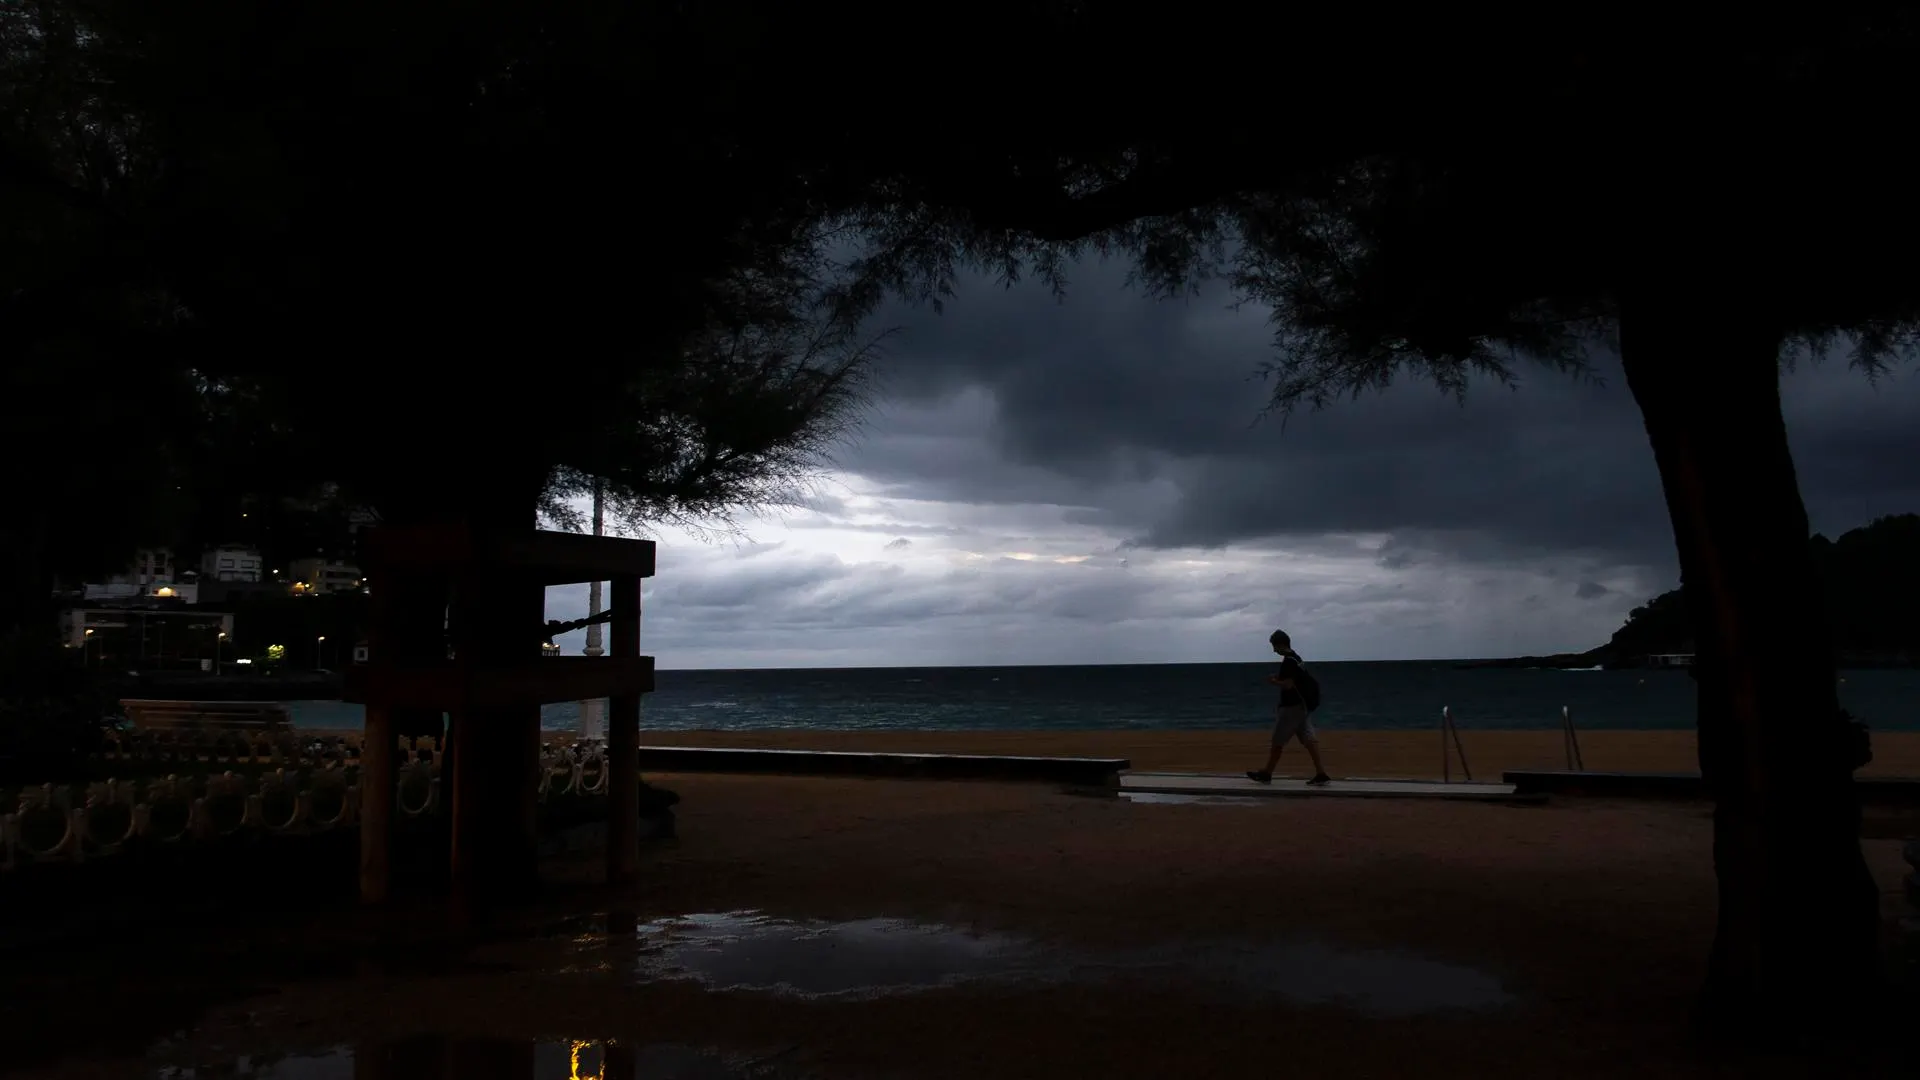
[[862, 958], [865, 958], [442, 1059]]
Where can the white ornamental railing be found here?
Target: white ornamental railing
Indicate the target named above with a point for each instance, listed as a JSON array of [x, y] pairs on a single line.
[[260, 797]]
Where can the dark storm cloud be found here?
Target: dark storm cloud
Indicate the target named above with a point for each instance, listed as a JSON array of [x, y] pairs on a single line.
[[702, 588], [1141, 416], [1856, 444]]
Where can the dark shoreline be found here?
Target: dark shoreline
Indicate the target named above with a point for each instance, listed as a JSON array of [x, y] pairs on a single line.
[[1562, 661], [1601, 658]]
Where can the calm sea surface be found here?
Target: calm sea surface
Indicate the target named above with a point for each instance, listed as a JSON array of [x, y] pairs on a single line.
[[1360, 696]]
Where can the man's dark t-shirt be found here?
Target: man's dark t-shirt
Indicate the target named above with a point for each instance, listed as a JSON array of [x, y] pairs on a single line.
[[1290, 669]]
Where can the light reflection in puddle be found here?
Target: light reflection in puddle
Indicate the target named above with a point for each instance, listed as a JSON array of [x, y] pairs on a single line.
[[747, 951], [863, 958], [464, 1059]]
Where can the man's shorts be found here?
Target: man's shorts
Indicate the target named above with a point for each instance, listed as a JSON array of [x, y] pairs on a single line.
[[1292, 721]]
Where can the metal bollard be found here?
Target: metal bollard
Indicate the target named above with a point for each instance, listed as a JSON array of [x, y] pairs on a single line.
[[1447, 729], [1572, 738]]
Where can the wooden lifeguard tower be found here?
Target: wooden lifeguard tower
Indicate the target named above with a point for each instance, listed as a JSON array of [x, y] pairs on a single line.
[[457, 626]]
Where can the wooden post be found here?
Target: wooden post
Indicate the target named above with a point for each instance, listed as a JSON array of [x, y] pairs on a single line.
[[496, 747], [623, 742], [404, 628], [377, 780], [377, 774]]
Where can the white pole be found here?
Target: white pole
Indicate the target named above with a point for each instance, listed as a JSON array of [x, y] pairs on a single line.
[[592, 723]]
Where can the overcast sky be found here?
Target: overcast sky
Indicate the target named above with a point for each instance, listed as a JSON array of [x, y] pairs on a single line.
[[1086, 482]]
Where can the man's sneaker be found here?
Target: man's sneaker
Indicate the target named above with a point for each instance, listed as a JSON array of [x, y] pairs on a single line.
[[1259, 777], [1320, 780]]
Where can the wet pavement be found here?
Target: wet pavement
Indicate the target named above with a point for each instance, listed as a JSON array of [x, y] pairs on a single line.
[[723, 995], [861, 959], [432, 1058], [758, 961], [945, 932], [1164, 799]]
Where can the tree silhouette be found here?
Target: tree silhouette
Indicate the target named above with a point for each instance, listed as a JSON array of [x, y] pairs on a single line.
[[1465, 265], [1627, 188], [427, 263], [469, 240]]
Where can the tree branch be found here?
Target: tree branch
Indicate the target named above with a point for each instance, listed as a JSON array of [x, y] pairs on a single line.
[[1041, 207], [28, 175]]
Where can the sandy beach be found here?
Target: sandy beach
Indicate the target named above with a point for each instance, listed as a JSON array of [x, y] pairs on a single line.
[[1384, 754]]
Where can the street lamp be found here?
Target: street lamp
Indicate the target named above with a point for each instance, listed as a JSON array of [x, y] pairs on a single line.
[[319, 643], [592, 720], [217, 640]]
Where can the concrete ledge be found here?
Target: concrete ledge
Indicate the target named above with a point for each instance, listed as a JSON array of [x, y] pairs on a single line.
[[1874, 790], [1100, 772], [1630, 785], [1208, 784]]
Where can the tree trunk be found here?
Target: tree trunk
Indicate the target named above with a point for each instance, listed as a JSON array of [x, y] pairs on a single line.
[[491, 765], [1795, 954]]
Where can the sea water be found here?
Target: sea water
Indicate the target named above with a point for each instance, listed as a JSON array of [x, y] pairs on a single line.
[[1358, 696]]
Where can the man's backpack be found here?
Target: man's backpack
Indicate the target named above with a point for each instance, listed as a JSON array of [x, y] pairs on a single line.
[[1308, 688]]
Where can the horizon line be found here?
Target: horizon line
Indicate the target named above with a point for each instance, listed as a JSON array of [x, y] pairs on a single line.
[[1148, 663]]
